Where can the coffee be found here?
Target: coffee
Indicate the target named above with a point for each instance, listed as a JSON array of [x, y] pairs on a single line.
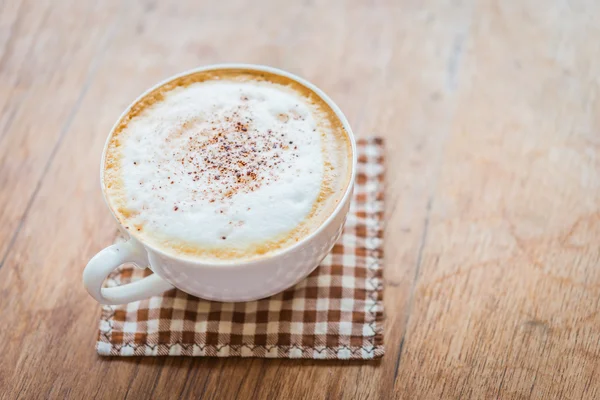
[[227, 165]]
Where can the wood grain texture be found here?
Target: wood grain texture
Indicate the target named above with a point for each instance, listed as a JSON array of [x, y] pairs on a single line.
[[491, 115]]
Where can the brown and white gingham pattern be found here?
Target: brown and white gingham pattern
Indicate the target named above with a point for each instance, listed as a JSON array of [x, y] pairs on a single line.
[[336, 313]]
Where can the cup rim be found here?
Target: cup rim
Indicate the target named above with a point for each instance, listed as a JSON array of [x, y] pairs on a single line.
[[279, 252]]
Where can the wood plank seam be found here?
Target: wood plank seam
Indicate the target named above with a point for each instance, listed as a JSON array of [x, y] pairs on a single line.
[[411, 297], [151, 396], [7, 48], [69, 120], [187, 376], [453, 68], [25, 58]]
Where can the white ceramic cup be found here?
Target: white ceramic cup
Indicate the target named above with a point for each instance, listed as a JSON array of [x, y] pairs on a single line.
[[222, 281]]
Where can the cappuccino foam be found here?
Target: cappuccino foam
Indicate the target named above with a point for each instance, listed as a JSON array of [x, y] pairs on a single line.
[[226, 165]]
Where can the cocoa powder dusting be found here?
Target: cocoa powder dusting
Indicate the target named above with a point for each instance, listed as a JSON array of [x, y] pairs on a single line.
[[230, 154]]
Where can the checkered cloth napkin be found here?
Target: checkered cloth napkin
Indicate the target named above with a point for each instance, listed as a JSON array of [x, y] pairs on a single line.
[[335, 313]]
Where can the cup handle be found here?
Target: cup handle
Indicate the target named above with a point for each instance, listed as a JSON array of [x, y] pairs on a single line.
[[103, 263]]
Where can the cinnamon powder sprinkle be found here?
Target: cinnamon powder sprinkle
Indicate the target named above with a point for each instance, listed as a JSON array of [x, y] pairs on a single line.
[[233, 152]]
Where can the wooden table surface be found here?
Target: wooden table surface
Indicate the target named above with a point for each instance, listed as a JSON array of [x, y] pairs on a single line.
[[491, 112]]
